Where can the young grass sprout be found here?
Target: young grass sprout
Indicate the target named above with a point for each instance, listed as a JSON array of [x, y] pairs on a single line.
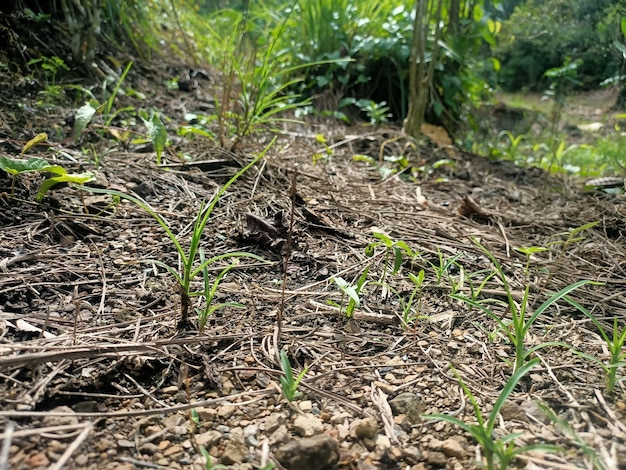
[[615, 344], [188, 257], [288, 383], [352, 291], [498, 451], [521, 318]]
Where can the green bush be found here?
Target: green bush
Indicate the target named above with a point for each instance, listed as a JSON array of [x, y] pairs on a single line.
[[542, 34]]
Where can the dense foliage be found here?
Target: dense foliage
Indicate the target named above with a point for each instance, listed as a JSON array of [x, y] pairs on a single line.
[[543, 34]]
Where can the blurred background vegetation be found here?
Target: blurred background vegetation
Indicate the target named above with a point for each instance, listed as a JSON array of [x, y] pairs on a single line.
[[498, 67]]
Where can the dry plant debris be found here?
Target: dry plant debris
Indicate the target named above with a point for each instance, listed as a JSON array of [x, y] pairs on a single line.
[[95, 374]]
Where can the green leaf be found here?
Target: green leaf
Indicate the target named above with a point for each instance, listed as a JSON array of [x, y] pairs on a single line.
[[15, 166], [398, 260], [84, 114], [384, 238], [158, 135], [531, 250], [38, 139], [622, 25], [80, 178]]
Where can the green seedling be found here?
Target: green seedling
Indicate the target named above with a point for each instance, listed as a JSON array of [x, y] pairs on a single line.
[[393, 248], [614, 342], [491, 335], [210, 289], [18, 166], [514, 144], [475, 291], [288, 383], [522, 319], [157, 134], [328, 152], [188, 257], [409, 313], [407, 307], [351, 291], [443, 269], [85, 113], [499, 452]]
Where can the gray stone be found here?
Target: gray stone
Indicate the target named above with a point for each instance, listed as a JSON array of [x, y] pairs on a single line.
[[273, 421], [364, 428], [280, 436], [209, 438], [52, 420], [437, 459], [408, 404], [313, 453], [149, 448]]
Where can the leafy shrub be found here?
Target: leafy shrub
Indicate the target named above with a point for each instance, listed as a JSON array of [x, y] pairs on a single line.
[[541, 34]]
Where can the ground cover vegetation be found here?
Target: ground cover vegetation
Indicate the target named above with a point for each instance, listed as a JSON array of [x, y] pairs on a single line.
[[312, 234]]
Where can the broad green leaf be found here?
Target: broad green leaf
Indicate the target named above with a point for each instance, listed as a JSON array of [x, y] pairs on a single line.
[[38, 139], [530, 250], [80, 178], [15, 166], [84, 114], [623, 26]]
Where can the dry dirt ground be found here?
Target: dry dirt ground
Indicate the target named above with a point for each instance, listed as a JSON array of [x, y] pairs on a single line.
[[95, 373]]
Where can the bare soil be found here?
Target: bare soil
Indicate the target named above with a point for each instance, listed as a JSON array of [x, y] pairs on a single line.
[[95, 373]]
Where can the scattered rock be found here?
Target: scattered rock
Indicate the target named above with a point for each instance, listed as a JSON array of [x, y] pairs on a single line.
[[125, 444], [364, 428], [180, 430], [313, 453], [173, 450], [369, 444], [437, 459], [382, 442], [250, 430], [280, 436], [408, 404], [273, 421], [234, 452], [511, 411], [209, 438], [164, 445], [412, 454], [435, 444], [339, 417], [307, 425], [51, 420], [149, 448], [305, 406], [170, 390], [205, 414], [226, 411], [342, 432], [37, 460], [173, 420], [452, 448], [152, 429], [102, 445]]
